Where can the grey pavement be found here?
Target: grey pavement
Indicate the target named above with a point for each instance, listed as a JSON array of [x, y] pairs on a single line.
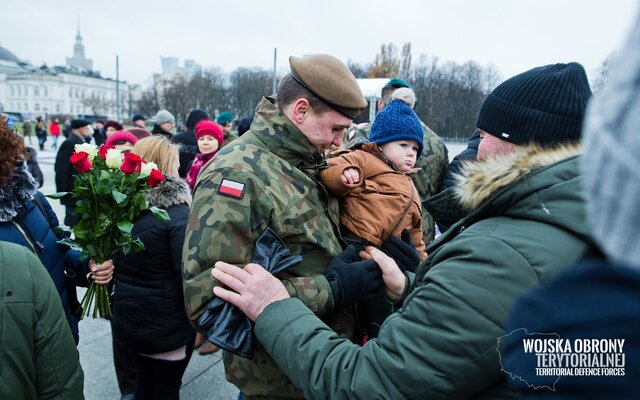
[[204, 377]]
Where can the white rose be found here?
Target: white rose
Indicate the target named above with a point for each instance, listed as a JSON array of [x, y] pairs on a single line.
[[113, 158], [146, 168], [88, 148]]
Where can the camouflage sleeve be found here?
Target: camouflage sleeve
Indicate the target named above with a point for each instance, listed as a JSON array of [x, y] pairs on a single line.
[[314, 291], [220, 228]]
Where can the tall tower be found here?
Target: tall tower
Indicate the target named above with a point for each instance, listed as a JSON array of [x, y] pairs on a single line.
[[78, 60]]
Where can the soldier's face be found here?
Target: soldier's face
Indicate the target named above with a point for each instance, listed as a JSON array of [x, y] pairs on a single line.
[[324, 130]]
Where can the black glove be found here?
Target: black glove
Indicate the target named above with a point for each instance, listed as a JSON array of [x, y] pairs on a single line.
[[402, 251], [353, 280], [223, 323]]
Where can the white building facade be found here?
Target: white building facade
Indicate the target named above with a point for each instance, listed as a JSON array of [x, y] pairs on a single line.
[[69, 91]]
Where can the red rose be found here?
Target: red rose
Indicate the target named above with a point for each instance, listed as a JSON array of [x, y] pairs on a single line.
[[131, 163], [81, 162], [103, 150], [155, 177]]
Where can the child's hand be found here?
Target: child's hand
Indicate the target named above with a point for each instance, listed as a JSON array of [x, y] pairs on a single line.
[[350, 176]]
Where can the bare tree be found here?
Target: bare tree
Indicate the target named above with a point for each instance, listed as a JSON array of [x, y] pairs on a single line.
[[386, 63], [405, 67], [247, 88], [358, 70], [97, 104]]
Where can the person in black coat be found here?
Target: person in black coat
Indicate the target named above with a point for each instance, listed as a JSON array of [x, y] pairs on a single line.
[[187, 140], [149, 318], [596, 301], [64, 169]]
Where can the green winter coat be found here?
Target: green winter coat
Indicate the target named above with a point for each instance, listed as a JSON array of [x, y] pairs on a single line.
[[527, 224], [275, 168], [432, 165], [38, 356]]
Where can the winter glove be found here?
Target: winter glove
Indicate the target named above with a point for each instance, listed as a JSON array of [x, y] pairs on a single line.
[[402, 251], [353, 280], [223, 323]]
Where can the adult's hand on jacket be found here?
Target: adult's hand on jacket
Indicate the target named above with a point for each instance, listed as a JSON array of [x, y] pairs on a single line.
[[393, 278], [251, 288], [353, 280], [101, 274]]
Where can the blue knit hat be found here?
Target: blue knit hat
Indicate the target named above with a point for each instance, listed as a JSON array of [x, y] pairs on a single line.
[[397, 121]]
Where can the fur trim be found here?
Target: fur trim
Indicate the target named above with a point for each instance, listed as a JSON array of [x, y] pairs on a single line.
[[17, 193], [479, 180], [170, 192]]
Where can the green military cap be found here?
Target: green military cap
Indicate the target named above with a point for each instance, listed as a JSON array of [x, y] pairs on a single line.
[[397, 83], [330, 80]]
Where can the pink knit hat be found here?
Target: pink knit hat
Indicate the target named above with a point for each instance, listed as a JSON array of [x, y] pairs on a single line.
[[121, 136], [209, 128]]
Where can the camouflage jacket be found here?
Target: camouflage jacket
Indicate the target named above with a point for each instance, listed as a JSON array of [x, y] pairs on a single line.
[[266, 178], [432, 166]]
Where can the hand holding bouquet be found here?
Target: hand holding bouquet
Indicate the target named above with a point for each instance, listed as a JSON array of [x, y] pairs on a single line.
[[111, 189]]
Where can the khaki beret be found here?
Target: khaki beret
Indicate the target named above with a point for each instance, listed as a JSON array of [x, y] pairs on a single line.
[[328, 78]]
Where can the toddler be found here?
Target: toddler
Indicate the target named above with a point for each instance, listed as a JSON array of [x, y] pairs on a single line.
[[379, 199]]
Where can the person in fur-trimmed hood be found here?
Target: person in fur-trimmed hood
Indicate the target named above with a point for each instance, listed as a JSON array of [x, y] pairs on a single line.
[[27, 219], [149, 318], [526, 224]]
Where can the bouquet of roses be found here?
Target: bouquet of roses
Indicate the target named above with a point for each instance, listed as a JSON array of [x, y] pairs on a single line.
[[111, 188]]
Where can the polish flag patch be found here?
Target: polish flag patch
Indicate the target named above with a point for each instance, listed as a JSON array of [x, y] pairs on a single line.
[[231, 188]]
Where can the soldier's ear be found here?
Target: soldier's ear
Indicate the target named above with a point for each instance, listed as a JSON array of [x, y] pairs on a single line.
[[299, 110]]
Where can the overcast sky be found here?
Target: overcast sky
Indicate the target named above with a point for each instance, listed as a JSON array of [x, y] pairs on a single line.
[[514, 35]]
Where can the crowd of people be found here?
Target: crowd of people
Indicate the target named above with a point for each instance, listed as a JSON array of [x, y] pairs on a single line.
[[332, 260]]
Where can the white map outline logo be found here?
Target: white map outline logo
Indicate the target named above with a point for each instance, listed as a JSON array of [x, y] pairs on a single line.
[[518, 377]]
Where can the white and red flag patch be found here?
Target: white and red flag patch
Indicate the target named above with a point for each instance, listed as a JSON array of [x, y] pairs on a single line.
[[231, 188]]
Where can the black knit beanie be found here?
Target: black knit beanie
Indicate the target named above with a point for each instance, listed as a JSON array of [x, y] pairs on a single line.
[[544, 105], [194, 117]]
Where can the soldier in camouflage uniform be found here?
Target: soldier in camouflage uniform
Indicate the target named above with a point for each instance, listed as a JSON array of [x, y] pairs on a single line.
[[432, 164], [269, 178], [225, 120]]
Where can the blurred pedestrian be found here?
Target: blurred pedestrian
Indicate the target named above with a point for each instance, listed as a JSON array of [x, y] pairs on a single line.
[[210, 138], [164, 124], [122, 140], [112, 126], [27, 130], [31, 156], [41, 132], [54, 129], [81, 130], [187, 140], [99, 134], [225, 120], [139, 121], [244, 125]]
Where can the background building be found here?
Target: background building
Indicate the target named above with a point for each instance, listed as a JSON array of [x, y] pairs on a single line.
[[72, 90]]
